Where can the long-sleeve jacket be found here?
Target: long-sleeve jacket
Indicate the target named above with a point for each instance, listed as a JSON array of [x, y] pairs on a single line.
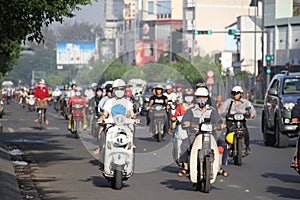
[[41, 93], [236, 107]]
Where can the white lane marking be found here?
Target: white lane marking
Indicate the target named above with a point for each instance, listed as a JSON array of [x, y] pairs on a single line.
[[52, 128], [234, 186], [25, 129], [32, 129], [11, 130], [263, 198]]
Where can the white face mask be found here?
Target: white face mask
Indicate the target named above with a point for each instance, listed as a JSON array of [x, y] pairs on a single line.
[[119, 93], [99, 94], [77, 93], [188, 99]]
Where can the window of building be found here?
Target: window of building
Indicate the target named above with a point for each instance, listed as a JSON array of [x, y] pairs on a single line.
[[150, 7], [163, 7]]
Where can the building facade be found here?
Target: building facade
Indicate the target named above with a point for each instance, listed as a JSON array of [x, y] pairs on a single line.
[[157, 20], [214, 16], [282, 33]]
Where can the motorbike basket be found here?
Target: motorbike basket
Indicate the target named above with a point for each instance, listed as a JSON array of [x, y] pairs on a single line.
[[42, 104]]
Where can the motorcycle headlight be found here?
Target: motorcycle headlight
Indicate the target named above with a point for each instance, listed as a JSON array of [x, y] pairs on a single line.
[[77, 106], [288, 106], [120, 140], [206, 127], [158, 107], [119, 119], [238, 117]]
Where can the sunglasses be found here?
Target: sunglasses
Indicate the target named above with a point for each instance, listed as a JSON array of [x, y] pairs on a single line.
[[235, 93]]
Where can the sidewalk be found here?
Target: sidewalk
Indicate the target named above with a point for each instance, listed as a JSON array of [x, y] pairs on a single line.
[[9, 189]]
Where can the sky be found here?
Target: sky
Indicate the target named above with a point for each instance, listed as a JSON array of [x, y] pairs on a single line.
[[92, 14]]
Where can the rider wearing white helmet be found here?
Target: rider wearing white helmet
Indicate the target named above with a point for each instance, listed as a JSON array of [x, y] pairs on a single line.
[[119, 87], [172, 97], [201, 112], [237, 104], [118, 104]]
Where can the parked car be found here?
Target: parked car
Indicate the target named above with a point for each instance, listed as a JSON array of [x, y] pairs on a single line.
[[281, 96]]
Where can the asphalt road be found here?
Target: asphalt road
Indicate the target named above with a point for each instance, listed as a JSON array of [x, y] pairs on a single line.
[[65, 168]]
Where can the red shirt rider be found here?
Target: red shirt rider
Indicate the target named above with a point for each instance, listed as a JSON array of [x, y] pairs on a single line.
[[77, 100], [41, 92]]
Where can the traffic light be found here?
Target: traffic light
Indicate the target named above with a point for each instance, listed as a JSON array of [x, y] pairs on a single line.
[[268, 57], [232, 31], [268, 70], [207, 32]]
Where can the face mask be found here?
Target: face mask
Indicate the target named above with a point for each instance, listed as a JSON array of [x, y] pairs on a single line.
[[119, 93], [99, 94], [202, 103], [188, 99], [78, 93]]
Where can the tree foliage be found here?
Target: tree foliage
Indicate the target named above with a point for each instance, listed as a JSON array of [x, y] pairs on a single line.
[[23, 20]]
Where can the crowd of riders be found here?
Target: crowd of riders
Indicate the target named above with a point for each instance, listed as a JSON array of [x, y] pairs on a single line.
[[192, 104]]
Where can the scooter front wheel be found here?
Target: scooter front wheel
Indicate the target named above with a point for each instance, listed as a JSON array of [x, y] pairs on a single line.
[[239, 152], [206, 175], [116, 183], [76, 129]]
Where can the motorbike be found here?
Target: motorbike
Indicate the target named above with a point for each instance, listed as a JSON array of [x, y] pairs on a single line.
[[158, 117], [117, 150], [31, 103], [23, 101], [77, 119], [64, 107], [205, 160], [236, 137], [56, 103]]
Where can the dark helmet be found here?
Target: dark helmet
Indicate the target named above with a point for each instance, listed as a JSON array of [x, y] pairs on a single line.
[[199, 85]]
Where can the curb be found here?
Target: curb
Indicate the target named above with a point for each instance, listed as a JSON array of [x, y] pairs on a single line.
[[9, 188]]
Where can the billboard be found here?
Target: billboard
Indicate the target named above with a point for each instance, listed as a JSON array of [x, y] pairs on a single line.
[[147, 30], [75, 52]]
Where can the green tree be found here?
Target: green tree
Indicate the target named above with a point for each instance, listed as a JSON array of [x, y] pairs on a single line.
[[23, 20]]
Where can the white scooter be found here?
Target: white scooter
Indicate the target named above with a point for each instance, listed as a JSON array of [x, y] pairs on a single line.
[[205, 160], [31, 103], [117, 150]]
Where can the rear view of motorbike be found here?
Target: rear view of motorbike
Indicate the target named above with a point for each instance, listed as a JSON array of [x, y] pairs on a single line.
[[158, 117], [205, 160], [117, 150]]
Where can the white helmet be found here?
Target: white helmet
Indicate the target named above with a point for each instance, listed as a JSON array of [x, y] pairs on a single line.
[[202, 92], [237, 89], [119, 83], [168, 87]]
